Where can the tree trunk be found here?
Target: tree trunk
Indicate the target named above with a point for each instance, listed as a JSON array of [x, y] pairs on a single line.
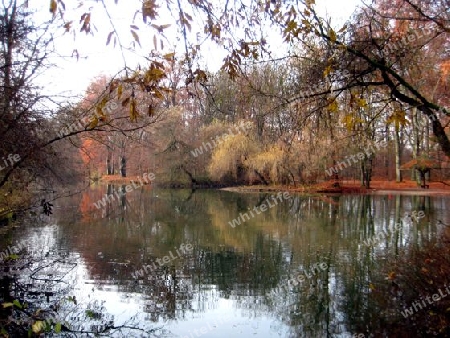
[[123, 166], [9, 25], [398, 155], [416, 141], [109, 168], [366, 172], [191, 177]]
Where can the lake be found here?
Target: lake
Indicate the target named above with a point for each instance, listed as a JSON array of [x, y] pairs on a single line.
[[302, 266]]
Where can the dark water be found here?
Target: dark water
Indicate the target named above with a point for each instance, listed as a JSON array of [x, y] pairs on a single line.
[[299, 269]]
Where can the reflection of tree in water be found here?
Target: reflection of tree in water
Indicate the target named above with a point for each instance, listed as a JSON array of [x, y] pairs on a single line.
[[249, 261], [45, 280]]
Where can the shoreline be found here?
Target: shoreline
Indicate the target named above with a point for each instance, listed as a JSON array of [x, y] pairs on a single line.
[[350, 187], [407, 187]]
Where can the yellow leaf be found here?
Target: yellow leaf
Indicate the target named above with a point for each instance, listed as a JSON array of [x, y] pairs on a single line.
[[133, 112], [327, 71], [398, 118], [348, 121], [99, 111], [333, 106], [362, 103], [38, 326], [93, 123], [103, 102], [119, 91], [169, 56], [332, 35], [371, 286], [53, 7]]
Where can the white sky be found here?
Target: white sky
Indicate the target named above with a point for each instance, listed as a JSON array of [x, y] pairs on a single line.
[[72, 76]]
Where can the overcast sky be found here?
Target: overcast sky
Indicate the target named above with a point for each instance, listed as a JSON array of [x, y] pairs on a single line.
[[72, 76]]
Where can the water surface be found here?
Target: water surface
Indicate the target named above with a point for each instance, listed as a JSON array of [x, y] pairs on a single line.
[[301, 268]]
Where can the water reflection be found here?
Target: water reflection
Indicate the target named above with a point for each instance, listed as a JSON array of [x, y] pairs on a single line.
[[249, 273]]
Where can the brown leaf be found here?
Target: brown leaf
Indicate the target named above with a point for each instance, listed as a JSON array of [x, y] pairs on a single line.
[[67, 26], [149, 9]]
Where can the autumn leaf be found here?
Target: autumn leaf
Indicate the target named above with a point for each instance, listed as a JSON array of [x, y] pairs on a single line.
[[362, 103], [327, 71], [119, 91], [332, 35], [398, 118], [350, 121], [169, 56], [133, 111], [200, 76], [215, 31], [98, 110], [67, 26], [136, 37], [149, 9], [158, 94], [86, 19], [160, 28], [53, 7], [93, 123], [333, 106]]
